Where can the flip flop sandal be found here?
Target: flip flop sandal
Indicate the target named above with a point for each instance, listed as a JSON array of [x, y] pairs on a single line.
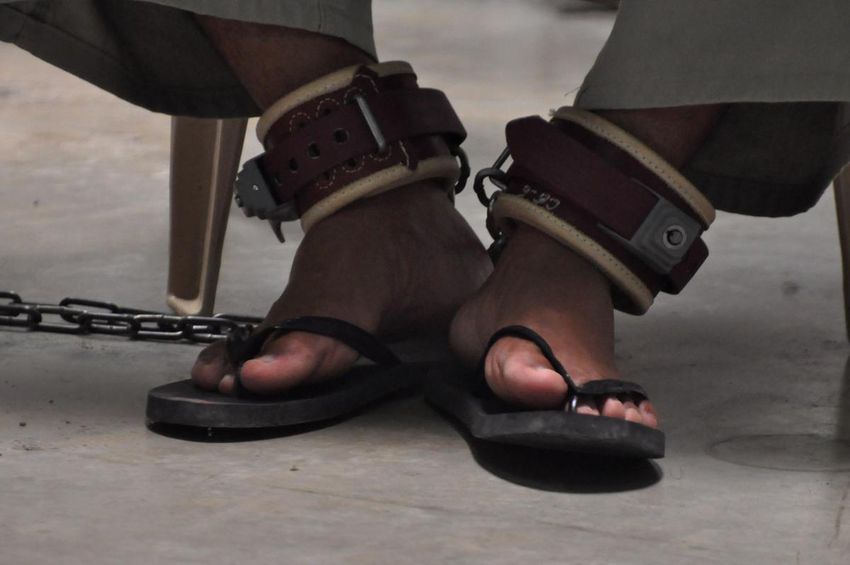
[[183, 403], [605, 195], [352, 134], [466, 397]]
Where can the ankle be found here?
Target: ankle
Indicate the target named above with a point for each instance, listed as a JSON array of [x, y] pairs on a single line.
[[402, 208], [407, 199], [674, 133], [530, 249], [272, 61], [542, 284]]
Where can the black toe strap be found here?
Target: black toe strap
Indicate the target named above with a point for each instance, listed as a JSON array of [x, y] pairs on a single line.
[[242, 347], [590, 389]]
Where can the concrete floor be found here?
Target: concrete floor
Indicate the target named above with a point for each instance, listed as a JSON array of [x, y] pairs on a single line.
[[749, 367]]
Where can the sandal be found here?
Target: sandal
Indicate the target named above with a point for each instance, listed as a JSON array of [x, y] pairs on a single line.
[[185, 404], [466, 397], [608, 197], [352, 134]]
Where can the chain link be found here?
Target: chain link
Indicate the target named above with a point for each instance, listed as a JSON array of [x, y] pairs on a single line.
[[81, 316]]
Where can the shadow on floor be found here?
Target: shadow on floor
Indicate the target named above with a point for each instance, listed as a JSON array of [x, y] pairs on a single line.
[[803, 450]]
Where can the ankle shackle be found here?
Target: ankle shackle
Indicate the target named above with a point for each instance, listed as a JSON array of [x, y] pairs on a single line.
[[352, 134], [604, 194]]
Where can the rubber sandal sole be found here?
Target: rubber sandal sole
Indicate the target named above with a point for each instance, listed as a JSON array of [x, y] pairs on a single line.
[[490, 419], [182, 403]]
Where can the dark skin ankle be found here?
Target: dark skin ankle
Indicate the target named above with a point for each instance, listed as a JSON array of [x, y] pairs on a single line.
[[272, 61]]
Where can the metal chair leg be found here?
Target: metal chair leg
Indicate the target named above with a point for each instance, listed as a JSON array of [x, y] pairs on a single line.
[[842, 207], [204, 160]]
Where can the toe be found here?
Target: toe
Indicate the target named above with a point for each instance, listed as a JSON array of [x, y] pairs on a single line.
[[613, 408], [587, 407], [632, 414], [210, 366], [226, 384], [650, 416], [294, 359], [516, 371], [644, 413]]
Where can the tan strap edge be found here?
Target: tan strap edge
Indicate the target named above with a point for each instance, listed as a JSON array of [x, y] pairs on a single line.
[[639, 150], [319, 87], [387, 179], [516, 208]]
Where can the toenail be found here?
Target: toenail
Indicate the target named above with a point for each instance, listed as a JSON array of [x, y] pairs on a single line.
[[646, 408], [267, 358], [226, 382]]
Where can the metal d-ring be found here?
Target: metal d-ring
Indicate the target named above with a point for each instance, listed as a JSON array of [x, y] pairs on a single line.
[[496, 175], [463, 160]]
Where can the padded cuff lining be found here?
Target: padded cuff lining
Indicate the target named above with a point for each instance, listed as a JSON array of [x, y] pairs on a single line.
[[516, 208], [616, 135], [382, 181], [328, 83]]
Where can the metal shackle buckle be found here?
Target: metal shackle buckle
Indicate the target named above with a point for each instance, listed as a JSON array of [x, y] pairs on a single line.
[[381, 141], [372, 124]]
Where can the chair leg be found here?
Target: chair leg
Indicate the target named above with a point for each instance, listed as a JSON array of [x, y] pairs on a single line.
[[204, 160], [842, 207]]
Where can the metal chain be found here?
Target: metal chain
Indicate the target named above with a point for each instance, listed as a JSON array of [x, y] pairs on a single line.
[[83, 317]]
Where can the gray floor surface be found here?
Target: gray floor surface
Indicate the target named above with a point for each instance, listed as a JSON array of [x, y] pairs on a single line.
[[749, 367]]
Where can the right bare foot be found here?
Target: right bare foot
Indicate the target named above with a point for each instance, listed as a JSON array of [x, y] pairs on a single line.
[[396, 264], [541, 284]]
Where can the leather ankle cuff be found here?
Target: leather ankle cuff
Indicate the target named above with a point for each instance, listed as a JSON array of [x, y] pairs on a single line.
[[352, 134], [605, 195]]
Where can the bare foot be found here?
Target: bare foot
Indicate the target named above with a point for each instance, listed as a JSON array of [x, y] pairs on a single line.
[[397, 264], [541, 284]]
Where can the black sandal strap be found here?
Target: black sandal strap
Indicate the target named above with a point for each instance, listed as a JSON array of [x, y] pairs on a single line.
[[241, 347], [597, 388], [611, 387], [528, 334]]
